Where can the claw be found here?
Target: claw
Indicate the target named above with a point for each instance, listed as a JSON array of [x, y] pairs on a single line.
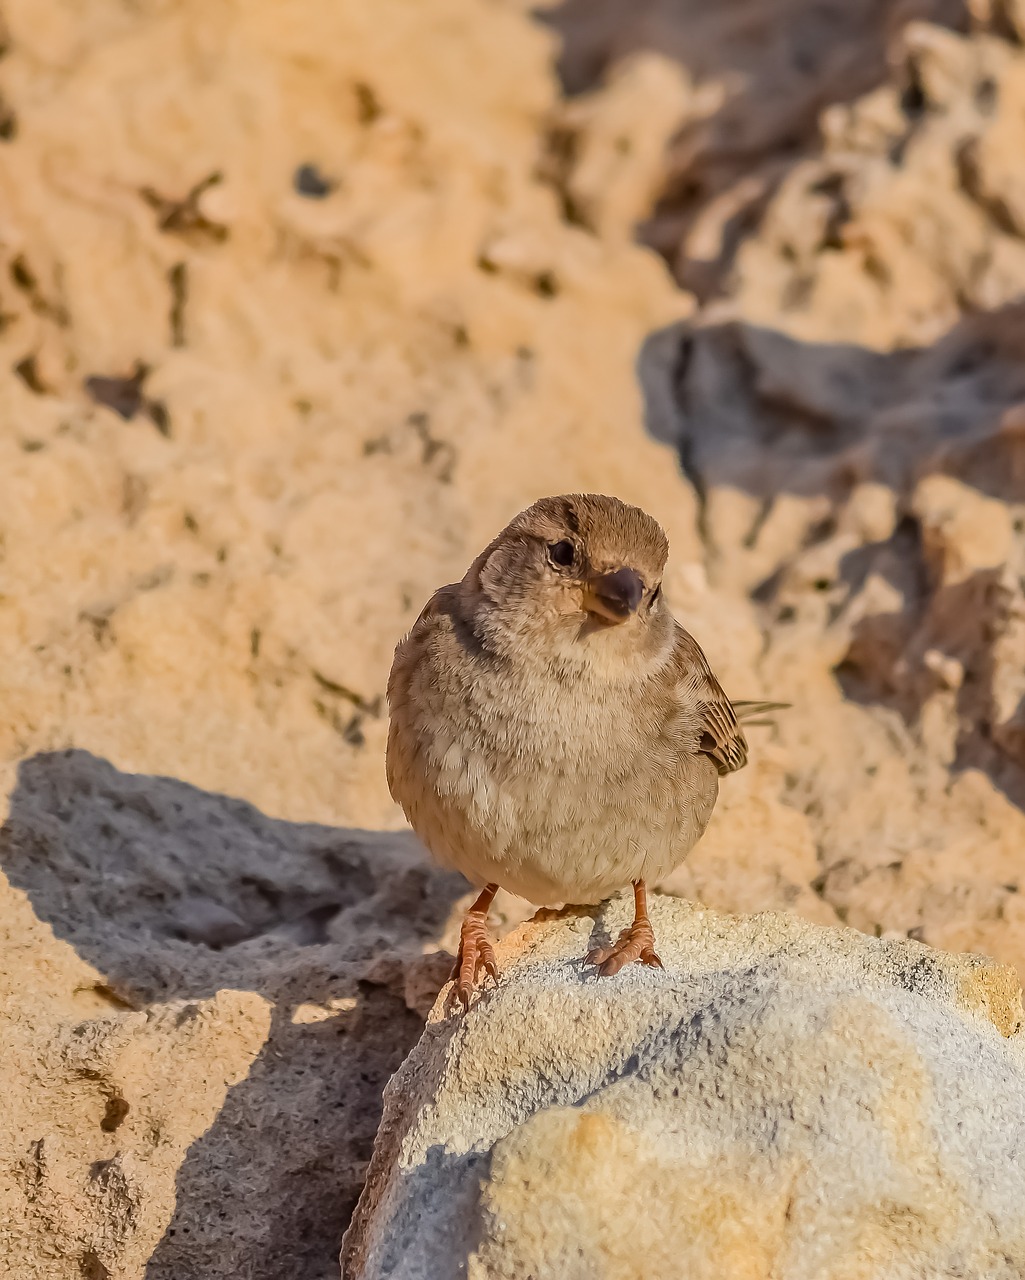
[[634, 943], [475, 950]]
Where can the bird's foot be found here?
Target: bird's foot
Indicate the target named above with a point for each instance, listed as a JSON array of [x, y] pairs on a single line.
[[476, 954], [635, 943]]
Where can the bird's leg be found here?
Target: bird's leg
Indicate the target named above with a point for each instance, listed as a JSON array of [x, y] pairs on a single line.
[[475, 949], [635, 943]]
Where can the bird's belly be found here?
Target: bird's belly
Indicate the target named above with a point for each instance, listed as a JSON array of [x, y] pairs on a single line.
[[585, 864], [570, 832]]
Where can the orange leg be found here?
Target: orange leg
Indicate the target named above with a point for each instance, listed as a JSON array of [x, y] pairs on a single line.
[[635, 943], [475, 949]]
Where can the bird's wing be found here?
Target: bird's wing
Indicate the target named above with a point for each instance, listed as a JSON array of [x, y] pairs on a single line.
[[753, 712], [720, 735], [411, 649]]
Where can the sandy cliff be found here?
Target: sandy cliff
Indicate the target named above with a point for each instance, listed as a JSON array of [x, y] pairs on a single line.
[[297, 305]]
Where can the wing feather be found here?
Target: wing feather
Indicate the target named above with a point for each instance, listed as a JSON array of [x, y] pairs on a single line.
[[720, 735], [751, 712]]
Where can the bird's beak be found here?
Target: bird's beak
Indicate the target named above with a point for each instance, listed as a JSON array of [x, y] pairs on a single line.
[[613, 596]]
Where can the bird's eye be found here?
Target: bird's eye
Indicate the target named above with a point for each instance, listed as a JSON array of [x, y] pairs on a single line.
[[656, 595], [562, 554]]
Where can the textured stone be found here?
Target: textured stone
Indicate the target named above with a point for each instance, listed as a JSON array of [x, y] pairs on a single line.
[[881, 494], [782, 1100], [764, 75], [907, 214], [179, 1103], [297, 305], [340, 399]]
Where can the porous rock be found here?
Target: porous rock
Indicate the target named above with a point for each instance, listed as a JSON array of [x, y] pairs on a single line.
[[781, 1100], [292, 320], [200, 1006]]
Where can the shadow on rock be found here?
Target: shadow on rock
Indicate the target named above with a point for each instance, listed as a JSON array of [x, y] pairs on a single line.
[[757, 410], [778, 63], [958, 654], [174, 894]]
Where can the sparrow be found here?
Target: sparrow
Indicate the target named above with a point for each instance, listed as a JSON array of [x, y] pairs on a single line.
[[553, 730]]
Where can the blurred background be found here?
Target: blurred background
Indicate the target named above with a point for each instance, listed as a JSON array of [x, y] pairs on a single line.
[[299, 303]]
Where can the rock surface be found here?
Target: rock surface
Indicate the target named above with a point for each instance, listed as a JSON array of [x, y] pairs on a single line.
[[754, 77], [297, 305], [783, 1100], [219, 379], [196, 1039]]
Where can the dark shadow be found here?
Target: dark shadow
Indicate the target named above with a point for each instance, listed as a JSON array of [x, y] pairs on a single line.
[[785, 62], [174, 893], [754, 409], [809, 40], [419, 1079]]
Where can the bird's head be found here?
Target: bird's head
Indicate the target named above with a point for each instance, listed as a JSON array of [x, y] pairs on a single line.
[[576, 578]]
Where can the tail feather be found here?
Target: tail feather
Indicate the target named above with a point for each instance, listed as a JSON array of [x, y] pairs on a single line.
[[752, 712]]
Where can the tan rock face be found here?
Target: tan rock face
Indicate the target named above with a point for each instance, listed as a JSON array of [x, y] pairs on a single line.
[[298, 305], [884, 517], [782, 1100], [885, 236], [346, 396]]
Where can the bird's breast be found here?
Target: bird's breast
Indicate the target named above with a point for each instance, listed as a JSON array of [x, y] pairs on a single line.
[[556, 791], [511, 750]]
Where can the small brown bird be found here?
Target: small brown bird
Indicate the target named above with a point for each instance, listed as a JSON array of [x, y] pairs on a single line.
[[554, 730]]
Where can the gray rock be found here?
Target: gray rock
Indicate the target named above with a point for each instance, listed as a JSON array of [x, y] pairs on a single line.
[[782, 1100]]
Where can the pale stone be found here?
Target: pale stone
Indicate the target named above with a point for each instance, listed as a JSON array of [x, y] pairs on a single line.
[[963, 530], [780, 1101]]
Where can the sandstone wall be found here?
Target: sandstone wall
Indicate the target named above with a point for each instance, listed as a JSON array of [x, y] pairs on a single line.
[[298, 304]]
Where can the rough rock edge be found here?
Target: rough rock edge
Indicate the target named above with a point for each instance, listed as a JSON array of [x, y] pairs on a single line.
[[975, 986]]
